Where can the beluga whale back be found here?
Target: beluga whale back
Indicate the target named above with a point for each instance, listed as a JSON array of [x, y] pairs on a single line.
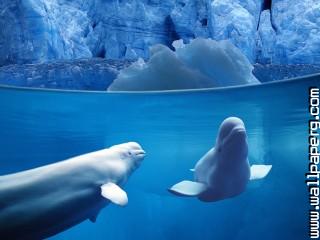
[[41, 202], [224, 171]]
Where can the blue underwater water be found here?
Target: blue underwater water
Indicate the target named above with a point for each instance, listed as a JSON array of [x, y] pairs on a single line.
[[175, 128]]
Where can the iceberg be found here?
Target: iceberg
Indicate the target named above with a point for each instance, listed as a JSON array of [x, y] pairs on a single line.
[[203, 63]]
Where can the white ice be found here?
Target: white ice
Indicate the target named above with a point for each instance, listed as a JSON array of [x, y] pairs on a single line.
[[203, 63]]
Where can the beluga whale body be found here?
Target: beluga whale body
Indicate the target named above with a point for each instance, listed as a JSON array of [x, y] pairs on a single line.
[[41, 202], [224, 171]]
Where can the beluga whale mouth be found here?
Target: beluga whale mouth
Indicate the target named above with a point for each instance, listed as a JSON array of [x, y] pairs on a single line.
[[137, 149], [140, 153], [237, 135]]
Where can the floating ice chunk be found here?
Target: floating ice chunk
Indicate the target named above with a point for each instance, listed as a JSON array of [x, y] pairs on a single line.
[[202, 63], [221, 61]]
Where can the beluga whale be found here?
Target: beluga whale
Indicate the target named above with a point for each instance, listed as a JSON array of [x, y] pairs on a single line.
[[41, 202], [224, 171]]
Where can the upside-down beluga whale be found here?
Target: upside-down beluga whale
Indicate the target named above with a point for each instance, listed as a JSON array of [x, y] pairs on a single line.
[[44, 201], [224, 171]]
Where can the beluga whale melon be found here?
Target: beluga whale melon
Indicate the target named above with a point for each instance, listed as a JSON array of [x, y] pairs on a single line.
[[224, 171], [41, 202]]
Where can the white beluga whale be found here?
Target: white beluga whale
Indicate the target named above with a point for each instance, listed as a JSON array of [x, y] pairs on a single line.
[[41, 202], [224, 171]]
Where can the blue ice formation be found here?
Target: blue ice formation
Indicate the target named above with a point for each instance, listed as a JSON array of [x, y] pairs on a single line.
[[297, 26], [37, 31], [266, 39], [203, 63], [266, 31]]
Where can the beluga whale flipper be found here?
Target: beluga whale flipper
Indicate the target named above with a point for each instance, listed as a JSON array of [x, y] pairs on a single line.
[[41, 202], [224, 171]]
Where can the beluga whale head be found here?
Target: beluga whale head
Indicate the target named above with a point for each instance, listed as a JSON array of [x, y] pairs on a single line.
[[116, 163], [130, 153], [231, 142]]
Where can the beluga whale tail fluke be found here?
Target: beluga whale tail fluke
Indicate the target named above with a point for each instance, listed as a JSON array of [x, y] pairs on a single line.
[[224, 171], [41, 202]]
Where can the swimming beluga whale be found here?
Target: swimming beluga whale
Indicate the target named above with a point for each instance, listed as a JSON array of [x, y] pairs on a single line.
[[41, 202], [224, 171]]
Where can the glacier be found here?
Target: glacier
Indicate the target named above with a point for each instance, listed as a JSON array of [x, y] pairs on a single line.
[[38, 31], [297, 26], [266, 31], [203, 63]]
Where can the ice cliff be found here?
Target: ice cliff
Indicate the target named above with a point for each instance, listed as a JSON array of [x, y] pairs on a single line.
[[267, 31]]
